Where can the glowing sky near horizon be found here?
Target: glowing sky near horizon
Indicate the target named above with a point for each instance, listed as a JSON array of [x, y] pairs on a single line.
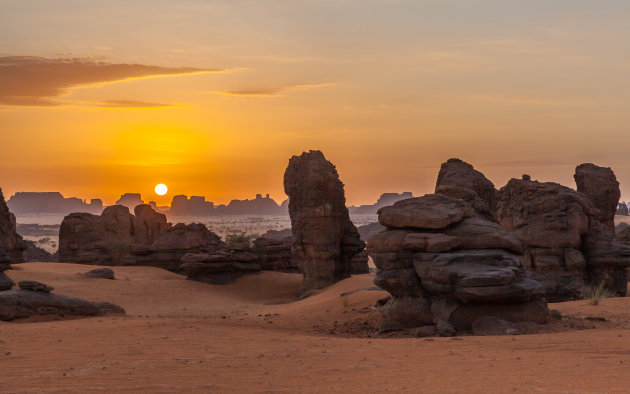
[[213, 97]]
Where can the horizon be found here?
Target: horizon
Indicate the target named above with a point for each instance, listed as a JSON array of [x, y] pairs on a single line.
[[213, 99]]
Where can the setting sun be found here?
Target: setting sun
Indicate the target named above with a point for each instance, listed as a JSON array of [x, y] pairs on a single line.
[[161, 189]]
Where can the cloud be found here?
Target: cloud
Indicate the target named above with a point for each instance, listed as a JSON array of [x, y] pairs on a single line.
[[132, 104], [39, 81], [271, 91]]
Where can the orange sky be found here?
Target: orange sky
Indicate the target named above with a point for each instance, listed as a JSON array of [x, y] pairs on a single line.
[[212, 98]]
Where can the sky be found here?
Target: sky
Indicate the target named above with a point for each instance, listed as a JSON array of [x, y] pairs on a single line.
[[99, 98]]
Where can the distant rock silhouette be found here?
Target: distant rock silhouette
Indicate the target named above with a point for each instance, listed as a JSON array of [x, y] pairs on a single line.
[[130, 200], [622, 209], [195, 206], [324, 238], [23, 203], [384, 200]]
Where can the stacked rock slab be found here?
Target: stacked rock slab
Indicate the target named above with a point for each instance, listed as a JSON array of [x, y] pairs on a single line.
[[222, 265], [274, 251], [568, 246], [10, 241], [167, 251], [324, 238], [445, 264]]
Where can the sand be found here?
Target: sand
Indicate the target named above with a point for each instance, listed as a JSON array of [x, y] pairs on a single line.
[[252, 335]]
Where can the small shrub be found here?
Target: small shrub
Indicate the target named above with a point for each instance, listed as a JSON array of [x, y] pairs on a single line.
[[595, 293], [237, 238]]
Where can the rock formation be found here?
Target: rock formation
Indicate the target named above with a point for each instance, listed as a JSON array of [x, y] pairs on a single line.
[[274, 251], [10, 241], [446, 264], [35, 253], [167, 251], [622, 209], [107, 239], [622, 233], [34, 298], [600, 186], [5, 264], [360, 263], [460, 180], [101, 273], [324, 238], [569, 243]]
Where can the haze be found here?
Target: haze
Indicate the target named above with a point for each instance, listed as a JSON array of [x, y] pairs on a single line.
[[212, 97]]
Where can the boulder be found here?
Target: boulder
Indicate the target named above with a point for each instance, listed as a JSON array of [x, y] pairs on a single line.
[[600, 186], [221, 267], [20, 303], [35, 286], [324, 238], [459, 179], [432, 211], [101, 273]]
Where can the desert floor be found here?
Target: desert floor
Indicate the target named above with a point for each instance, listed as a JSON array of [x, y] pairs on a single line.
[[252, 335]]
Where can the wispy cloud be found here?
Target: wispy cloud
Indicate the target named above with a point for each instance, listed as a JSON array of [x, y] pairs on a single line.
[[271, 91], [133, 104], [39, 81]]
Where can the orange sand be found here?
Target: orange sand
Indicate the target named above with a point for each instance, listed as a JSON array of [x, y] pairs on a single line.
[[180, 335]]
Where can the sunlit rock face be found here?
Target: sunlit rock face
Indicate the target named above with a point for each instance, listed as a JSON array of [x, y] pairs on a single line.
[[10, 241], [324, 238]]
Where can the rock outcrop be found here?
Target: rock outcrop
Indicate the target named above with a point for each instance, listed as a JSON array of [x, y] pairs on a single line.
[[35, 298], [6, 283], [274, 251], [101, 273], [622, 233], [34, 253], [460, 180], [567, 245], [324, 238], [108, 239], [622, 209], [167, 251], [600, 186], [220, 266], [446, 264], [10, 241]]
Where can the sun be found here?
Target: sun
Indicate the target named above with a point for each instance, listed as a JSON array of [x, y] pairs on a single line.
[[161, 189]]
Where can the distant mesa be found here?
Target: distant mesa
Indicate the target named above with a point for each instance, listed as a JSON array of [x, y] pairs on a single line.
[[198, 206], [130, 200], [24, 203], [384, 200]]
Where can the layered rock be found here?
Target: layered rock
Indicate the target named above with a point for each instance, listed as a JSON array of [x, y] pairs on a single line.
[[167, 251], [445, 264], [324, 238], [220, 266], [460, 180], [274, 251], [10, 241], [600, 186], [567, 245]]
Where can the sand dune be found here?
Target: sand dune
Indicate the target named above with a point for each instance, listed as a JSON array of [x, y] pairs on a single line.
[[252, 335]]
